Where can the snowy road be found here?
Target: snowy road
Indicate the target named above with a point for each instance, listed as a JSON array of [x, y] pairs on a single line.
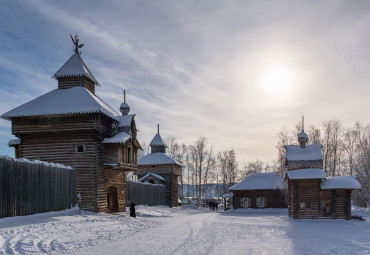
[[161, 230]]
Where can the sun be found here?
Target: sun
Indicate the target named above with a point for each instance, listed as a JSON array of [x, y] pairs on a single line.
[[277, 79]]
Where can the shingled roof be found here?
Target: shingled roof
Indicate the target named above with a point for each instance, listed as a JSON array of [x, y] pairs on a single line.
[[75, 100], [75, 67], [157, 158], [158, 141]]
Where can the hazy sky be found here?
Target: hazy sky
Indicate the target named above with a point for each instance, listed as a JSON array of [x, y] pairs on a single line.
[[233, 71]]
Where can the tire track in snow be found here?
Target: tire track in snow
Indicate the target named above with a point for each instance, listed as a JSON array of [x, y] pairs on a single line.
[[187, 239], [201, 235], [58, 237]]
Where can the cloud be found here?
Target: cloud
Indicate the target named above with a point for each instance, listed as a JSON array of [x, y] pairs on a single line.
[[197, 68]]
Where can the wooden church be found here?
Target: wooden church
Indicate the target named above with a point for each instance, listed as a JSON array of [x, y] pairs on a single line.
[[310, 193], [71, 125], [157, 167]]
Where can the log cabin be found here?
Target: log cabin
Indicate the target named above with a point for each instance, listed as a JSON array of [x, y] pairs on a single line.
[[71, 125], [310, 193], [259, 190], [159, 164]]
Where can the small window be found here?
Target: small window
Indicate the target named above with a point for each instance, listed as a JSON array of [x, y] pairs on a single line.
[[244, 202], [261, 202], [129, 155], [303, 205], [80, 148]]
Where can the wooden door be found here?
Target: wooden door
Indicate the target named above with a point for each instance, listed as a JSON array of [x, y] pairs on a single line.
[[112, 199]]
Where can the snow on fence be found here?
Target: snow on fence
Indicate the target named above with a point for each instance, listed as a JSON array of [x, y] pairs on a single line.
[[32, 186], [145, 193]]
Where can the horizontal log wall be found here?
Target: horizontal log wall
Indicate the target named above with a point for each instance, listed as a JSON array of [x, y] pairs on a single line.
[[272, 198], [69, 82], [28, 188], [308, 191], [340, 203], [117, 179], [305, 191], [54, 139]]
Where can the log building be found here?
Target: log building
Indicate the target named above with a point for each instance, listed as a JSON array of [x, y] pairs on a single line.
[[259, 190], [157, 164], [71, 125], [310, 193]]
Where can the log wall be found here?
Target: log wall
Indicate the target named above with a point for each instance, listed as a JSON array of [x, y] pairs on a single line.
[[83, 81], [307, 200], [56, 138], [272, 198], [339, 201], [304, 202], [28, 188]]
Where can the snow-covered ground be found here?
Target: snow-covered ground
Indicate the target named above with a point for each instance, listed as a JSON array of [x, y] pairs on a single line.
[[186, 230]]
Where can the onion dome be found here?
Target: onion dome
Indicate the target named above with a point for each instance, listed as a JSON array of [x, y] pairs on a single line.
[[302, 137], [124, 108], [158, 144]]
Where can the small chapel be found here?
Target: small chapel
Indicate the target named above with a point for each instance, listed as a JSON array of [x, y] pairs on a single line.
[[159, 168], [311, 194], [71, 125]]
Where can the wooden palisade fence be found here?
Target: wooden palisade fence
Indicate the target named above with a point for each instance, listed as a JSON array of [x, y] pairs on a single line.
[[29, 187], [145, 193]]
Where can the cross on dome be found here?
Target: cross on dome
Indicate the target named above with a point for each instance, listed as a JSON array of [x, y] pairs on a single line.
[[302, 137], [124, 108]]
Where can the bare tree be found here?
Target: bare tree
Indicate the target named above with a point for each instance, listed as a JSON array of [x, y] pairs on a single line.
[[173, 147], [332, 145], [314, 135], [284, 137], [252, 167], [145, 149]]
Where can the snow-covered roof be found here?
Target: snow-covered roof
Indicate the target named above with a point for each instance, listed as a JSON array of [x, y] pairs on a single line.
[[121, 137], [157, 158], [24, 160], [259, 181], [151, 174], [227, 195], [307, 173], [340, 182], [14, 142], [125, 120], [75, 67], [75, 100], [158, 141], [310, 152]]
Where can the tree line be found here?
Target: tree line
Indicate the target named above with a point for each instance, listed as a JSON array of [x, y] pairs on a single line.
[[202, 165], [346, 151]]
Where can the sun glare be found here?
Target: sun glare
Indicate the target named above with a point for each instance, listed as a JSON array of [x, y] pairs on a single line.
[[277, 79]]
